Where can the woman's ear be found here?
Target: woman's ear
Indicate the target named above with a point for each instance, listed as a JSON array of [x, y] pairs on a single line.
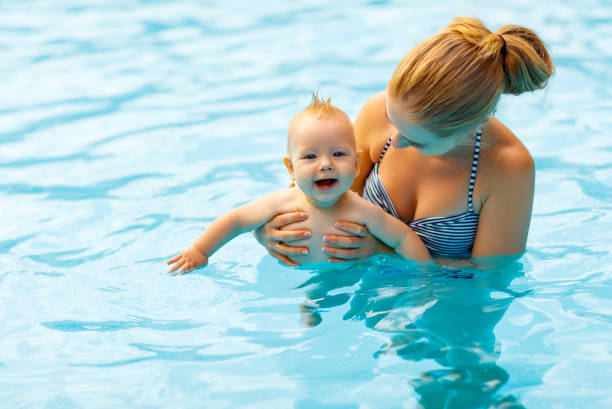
[[289, 166]]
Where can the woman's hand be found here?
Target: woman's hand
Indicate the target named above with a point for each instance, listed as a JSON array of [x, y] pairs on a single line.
[[358, 245], [275, 239]]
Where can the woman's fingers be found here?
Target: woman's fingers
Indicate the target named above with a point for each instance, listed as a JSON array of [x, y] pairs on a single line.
[[281, 220], [286, 250], [359, 245], [336, 240], [352, 228], [287, 218], [271, 231], [283, 259], [274, 238], [290, 235]]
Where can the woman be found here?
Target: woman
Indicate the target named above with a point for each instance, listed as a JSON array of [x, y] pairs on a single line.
[[434, 156]]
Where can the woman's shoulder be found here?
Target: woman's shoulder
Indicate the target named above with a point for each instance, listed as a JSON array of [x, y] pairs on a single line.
[[373, 113], [506, 155], [372, 127]]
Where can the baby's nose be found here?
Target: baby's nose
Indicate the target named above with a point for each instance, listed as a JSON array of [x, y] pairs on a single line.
[[326, 166], [325, 163]]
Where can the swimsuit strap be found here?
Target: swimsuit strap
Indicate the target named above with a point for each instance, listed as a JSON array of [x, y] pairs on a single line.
[[384, 149], [474, 169], [474, 166]]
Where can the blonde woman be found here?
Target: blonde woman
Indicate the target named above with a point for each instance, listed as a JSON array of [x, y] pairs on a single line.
[[433, 155]]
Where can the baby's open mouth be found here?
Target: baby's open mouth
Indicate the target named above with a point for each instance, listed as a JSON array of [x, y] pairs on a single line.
[[326, 184]]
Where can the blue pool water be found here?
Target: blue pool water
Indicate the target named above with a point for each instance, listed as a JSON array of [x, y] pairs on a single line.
[[127, 126]]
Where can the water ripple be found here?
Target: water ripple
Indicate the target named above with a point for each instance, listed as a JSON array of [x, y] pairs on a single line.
[[151, 221], [113, 104], [97, 190], [7, 245], [31, 161], [109, 326], [125, 125], [167, 353], [59, 259], [257, 172]]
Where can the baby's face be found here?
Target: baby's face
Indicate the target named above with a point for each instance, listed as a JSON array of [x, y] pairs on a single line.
[[323, 158]]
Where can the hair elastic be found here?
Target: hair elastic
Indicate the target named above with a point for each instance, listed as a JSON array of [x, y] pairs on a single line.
[[503, 49]]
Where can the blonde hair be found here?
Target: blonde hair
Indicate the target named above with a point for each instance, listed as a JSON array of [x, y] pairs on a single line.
[[452, 81], [321, 109]]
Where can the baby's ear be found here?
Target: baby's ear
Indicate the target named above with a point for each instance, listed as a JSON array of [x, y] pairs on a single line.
[[289, 166]]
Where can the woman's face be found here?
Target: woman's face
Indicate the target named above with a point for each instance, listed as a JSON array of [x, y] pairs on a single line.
[[411, 134]]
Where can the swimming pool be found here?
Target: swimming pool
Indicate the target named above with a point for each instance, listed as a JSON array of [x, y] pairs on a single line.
[[127, 126]]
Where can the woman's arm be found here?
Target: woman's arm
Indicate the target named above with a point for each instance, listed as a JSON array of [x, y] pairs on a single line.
[[506, 212]]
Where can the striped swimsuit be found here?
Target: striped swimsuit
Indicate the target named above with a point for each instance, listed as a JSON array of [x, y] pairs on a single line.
[[444, 236]]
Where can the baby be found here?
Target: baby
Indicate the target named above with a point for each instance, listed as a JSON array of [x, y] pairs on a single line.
[[323, 162]]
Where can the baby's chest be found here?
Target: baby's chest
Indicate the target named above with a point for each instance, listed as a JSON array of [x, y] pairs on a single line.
[[319, 225]]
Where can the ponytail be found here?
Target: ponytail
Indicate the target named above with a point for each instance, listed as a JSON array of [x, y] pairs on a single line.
[[527, 63], [453, 80]]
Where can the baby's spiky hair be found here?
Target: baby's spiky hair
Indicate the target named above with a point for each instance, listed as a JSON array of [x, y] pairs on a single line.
[[321, 107]]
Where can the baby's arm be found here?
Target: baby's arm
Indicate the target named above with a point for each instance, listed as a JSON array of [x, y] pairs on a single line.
[[393, 232], [240, 220]]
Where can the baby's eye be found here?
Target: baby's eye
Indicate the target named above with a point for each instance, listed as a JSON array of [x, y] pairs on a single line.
[[310, 156], [339, 154]]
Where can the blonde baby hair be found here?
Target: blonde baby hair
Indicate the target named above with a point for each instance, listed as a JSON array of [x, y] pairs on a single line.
[[452, 81], [321, 109]]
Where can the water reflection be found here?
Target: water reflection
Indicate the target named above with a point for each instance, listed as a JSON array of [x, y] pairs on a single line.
[[446, 316]]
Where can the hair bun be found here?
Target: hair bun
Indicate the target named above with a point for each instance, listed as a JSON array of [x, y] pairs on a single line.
[[527, 63], [492, 46], [452, 80]]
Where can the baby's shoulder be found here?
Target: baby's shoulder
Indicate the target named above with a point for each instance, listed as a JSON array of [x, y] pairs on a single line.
[[285, 200], [355, 203], [351, 197]]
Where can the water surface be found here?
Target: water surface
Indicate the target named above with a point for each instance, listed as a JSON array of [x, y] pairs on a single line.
[[126, 127]]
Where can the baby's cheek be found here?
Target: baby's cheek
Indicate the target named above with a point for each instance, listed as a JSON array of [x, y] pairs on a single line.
[[301, 184]]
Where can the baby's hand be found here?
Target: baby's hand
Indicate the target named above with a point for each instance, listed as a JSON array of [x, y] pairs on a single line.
[[188, 260]]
